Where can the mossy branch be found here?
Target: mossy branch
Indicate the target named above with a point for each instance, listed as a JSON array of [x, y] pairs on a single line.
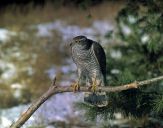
[[53, 89]]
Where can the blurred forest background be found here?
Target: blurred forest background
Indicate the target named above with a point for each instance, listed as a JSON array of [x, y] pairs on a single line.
[[34, 37]]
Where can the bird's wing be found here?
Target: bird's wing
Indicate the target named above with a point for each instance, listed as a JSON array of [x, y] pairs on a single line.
[[100, 57]]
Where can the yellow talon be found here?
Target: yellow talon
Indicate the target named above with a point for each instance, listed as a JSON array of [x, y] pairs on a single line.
[[94, 86], [76, 87]]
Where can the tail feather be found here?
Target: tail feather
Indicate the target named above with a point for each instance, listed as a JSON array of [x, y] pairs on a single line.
[[98, 99]]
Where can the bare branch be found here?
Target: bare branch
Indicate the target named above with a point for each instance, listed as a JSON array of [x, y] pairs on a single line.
[[53, 89]]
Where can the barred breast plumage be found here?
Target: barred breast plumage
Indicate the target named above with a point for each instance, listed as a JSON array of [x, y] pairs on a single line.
[[85, 60]]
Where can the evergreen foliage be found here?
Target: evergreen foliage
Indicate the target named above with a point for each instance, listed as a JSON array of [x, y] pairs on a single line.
[[138, 57]]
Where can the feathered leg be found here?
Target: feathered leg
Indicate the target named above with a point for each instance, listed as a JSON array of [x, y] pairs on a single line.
[[76, 85]]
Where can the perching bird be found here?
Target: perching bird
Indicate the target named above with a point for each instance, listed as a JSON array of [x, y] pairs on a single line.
[[90, 60]]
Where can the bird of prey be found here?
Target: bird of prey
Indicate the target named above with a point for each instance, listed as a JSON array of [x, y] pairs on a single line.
[[90, 59]]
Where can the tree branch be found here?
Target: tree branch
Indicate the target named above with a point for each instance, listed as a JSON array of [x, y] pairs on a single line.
[[53, 89]]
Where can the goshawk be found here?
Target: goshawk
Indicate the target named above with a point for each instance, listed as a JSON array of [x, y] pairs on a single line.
[[90, 59]]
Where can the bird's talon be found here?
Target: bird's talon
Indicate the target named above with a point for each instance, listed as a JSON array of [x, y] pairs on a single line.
[[76, 87], [94, 86]]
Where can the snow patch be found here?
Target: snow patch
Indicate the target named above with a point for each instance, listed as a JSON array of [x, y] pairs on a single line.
[[131, 19], [9, 70], [98, 27], [115, 54], [5, 34], [145, 39]]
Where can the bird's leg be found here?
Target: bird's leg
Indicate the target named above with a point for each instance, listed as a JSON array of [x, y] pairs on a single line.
[[76, 86], [94, 85], [88, 83]]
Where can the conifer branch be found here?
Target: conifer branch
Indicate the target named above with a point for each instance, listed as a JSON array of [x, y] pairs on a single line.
[[53, 89]]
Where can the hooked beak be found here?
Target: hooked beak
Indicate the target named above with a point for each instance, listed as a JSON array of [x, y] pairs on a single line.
[[71, 43]]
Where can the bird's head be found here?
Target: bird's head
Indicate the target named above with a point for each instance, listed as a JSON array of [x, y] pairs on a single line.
[[81, 40]]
